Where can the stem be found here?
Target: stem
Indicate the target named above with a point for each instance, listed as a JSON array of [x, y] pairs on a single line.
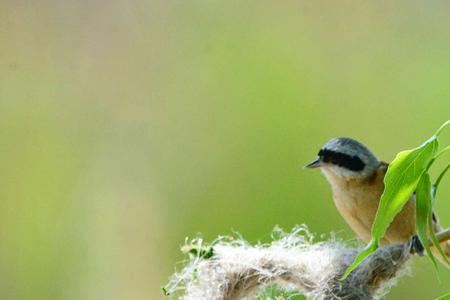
[[443, 235], [442, 127], [442, 152], [438, 180]]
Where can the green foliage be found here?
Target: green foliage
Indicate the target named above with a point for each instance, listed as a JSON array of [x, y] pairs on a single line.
[[439, 179], [199, 251], [424, 213], [164, 291], [407, 173], [444, 297]]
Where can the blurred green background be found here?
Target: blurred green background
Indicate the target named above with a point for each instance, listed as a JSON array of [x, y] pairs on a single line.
[[128, 125]]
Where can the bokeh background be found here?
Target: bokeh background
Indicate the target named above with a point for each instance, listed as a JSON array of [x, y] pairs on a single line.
[[127, 126]]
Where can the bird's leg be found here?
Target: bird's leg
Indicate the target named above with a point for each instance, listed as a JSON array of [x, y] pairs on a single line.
[[416, 246]]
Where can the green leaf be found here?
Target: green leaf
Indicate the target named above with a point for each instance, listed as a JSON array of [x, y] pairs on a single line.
[[444, 297], [436, 242], [201, 251], [438, 132], [438, 180], [442, 152], [424, 213], [164, 291], [369, 249], [401, 180]]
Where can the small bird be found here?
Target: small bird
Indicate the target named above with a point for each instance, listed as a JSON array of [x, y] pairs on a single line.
[[356, 178]]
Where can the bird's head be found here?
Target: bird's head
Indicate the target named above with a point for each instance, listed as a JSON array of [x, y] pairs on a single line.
[[345, 157]]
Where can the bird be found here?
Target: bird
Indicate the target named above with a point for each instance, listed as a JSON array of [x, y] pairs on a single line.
[[356, 177]]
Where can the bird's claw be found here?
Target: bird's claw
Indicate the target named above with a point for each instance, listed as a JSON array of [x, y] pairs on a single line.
[[416, 246]]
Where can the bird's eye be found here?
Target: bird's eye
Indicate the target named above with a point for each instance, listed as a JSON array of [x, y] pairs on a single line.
[[336, 158], [324, 155]]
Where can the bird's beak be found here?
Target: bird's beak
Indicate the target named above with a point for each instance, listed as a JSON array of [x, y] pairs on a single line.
[[314, 164]]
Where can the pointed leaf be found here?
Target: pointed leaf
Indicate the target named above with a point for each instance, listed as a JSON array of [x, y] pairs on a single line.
[[438, 132], [400, 181], [423, 213], [369, 249], [435, 241], [444, 297], [438, 180], [437, 244]]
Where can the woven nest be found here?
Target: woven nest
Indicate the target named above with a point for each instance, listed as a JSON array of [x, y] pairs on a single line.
[[232, 269]]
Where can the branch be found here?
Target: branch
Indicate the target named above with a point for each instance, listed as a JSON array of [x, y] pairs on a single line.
[[237, 270], [443, 235]]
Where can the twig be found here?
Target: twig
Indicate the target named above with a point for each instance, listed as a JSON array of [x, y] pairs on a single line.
[[443, 235]]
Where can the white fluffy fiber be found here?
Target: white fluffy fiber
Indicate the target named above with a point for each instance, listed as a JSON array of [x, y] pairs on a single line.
[[237, 270]]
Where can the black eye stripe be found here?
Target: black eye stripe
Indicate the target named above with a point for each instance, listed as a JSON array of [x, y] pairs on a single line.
[[349, 162]]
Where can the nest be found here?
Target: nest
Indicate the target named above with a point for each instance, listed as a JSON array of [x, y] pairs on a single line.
[[232, 269]]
